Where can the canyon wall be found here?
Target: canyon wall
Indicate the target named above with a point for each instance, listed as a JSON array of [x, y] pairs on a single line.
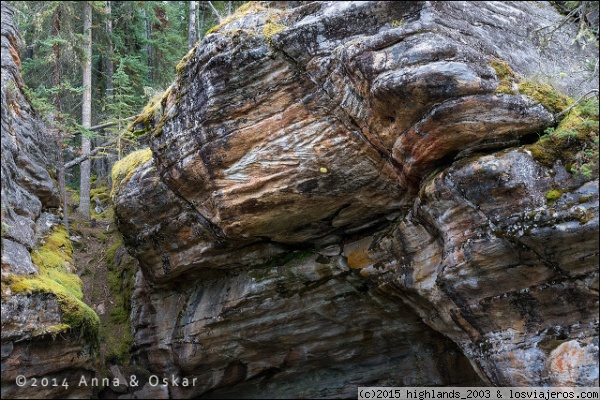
[[336, 194], [40, 339], [348, 194], [345, 194]]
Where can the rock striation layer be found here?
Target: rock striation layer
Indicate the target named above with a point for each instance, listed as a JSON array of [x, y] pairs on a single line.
[[340, 195], [36, 342]]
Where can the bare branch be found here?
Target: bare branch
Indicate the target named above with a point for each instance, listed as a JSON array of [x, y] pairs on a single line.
[[107, 124], [84, 157], [214, 10], [579, 100]]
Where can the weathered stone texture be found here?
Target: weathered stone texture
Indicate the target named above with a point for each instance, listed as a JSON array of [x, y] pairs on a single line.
[[339, 191], [30, 343]]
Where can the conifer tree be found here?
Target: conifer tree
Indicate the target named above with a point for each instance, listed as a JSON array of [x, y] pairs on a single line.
[[86, 112], [120, 104]]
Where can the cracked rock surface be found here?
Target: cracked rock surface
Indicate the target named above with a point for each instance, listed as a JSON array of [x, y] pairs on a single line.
[[339, 197]]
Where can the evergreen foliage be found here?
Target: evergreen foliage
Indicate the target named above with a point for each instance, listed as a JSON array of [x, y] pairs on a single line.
[[148, 39]]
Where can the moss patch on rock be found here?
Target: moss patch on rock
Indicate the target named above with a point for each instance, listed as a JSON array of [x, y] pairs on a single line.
[[103, 195], [245, 9], [506, 77], [152, 117], [270, 29], [553, 195], [53, 260], [121, 280], [574, 140], [124, 168], [546, 95], [52, 330]]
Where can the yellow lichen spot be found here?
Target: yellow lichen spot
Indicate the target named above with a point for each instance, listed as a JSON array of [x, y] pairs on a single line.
[[271, 28], [506, 76], [124, 168], [553, 195], [323, 170]]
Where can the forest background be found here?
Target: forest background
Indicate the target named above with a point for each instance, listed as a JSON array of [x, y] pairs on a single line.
[[90, 67]]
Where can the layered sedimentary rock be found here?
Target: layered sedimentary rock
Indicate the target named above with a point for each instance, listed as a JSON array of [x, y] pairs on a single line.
[[36, 342], [339, 195]]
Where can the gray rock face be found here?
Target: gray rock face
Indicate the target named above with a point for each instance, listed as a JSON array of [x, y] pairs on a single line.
[[508, 277], [26, 185], [35, 342], [339, 195]]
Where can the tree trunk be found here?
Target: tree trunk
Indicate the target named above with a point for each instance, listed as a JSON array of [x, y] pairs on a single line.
[[215, 11], [148, 45], [109, 73], [192, 36], [109, 52], [199, 19], [62, 186], [58, 137], [86, 111]]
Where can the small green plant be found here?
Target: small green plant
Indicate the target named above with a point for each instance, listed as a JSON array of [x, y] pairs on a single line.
[[574, 140], [397, 24], [553, 195]]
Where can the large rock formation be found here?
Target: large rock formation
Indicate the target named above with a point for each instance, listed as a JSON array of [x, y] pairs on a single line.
[[38, 340], [340, 194]]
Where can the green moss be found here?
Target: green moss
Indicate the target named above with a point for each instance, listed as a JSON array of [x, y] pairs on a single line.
[[116, 330], [151, 115], [53, 260], [52, 330], [574, 140], [124, 168], [184, 60], [506, 76], [248, 8], [75, 196], [546, 95], [101, 193], [118, 346], [553, 195], [112, 250], [75, 313]]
